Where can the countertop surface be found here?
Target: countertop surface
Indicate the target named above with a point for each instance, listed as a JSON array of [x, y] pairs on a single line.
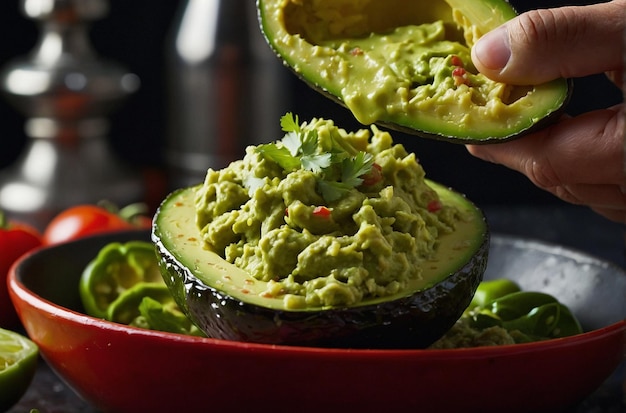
[[569, 226]]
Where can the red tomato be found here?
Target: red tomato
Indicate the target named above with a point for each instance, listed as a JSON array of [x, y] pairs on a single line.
[[82, 220], [16, 239]]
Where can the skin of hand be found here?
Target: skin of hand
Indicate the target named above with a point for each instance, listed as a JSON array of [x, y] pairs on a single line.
[[579, 159]]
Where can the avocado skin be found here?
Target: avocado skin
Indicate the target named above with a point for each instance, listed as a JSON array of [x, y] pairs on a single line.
[[461, 140], [414, 321]]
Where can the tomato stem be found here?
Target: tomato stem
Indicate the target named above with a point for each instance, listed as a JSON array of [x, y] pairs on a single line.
[[133, 210]]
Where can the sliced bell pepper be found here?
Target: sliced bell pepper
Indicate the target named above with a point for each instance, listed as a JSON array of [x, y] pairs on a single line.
[[488, 291], [117, 268], [125, 309], [531, 315], [123, 284], [165, 317]]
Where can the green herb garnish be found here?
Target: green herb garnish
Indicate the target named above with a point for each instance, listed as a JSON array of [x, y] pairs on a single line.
[[338, 170]]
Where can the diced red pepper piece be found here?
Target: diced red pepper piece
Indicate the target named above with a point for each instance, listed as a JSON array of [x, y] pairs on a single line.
[[321, 211], [434, 205], [357, 51], [456, 61], [460, 76], [458, 72]]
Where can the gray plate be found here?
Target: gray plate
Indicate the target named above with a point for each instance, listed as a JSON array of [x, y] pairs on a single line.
[[595, 290]]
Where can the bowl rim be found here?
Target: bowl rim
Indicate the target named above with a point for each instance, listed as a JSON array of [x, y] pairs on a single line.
[[572, 253], [19, 291]]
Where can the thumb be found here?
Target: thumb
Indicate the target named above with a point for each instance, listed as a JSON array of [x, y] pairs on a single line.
[[542, 45]]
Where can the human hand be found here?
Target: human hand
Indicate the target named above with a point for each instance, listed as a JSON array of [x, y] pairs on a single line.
[[579, 159]]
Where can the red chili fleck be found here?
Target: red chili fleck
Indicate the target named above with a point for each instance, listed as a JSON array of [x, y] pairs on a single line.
[[245, 291], [459, 76], [374, 176], [357, 51], [286, 212], [434, 205], [458, 71], [456, 61], [321, 211]]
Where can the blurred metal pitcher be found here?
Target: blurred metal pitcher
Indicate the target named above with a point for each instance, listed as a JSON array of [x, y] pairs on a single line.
[[65, 90], [226, 89]]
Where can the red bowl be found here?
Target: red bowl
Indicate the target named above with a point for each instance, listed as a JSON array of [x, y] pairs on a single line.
[[124, 369]]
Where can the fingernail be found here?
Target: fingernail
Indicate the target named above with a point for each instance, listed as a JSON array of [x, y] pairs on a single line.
[[493, 50]]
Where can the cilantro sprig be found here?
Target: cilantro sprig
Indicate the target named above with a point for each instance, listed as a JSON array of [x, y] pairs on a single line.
[[338, 170]]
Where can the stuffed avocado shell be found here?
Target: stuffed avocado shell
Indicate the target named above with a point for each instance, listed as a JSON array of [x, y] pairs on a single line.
[[407, 65], [322, 234]]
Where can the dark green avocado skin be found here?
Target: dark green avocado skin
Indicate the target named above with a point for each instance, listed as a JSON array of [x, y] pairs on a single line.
[[415, 321]]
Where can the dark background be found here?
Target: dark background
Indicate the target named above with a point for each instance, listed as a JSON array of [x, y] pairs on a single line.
[[134, 34]]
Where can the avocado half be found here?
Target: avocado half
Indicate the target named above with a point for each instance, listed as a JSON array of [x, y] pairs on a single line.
[[227, 303], [327, 44]]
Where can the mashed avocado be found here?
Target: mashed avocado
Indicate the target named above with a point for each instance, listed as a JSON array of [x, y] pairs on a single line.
[[326, 217], [417, 69], [407, 64], [464, 335]]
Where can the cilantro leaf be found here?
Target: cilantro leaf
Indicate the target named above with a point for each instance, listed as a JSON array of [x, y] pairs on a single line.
[[353, 168], [316, 163], [338, 170], [311, 160], [309, 143], [289, 124], [332, 191], [281, 155], [252, 183], [292, 141]]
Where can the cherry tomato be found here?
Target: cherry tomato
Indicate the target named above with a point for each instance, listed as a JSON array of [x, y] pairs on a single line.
[[83, 220], [16, 239]]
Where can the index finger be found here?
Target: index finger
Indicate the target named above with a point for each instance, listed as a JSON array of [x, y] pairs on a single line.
[[587, 149]]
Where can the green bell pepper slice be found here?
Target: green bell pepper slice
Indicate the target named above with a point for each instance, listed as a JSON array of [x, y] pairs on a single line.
[[123, 284], [125, 309], [151, 306], [489, 290], [116, 268], [531, 315], [165, 317]]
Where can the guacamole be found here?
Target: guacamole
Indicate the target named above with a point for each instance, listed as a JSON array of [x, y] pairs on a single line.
[[325, 217], [416, 69], [464, 335], [407, 64]]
